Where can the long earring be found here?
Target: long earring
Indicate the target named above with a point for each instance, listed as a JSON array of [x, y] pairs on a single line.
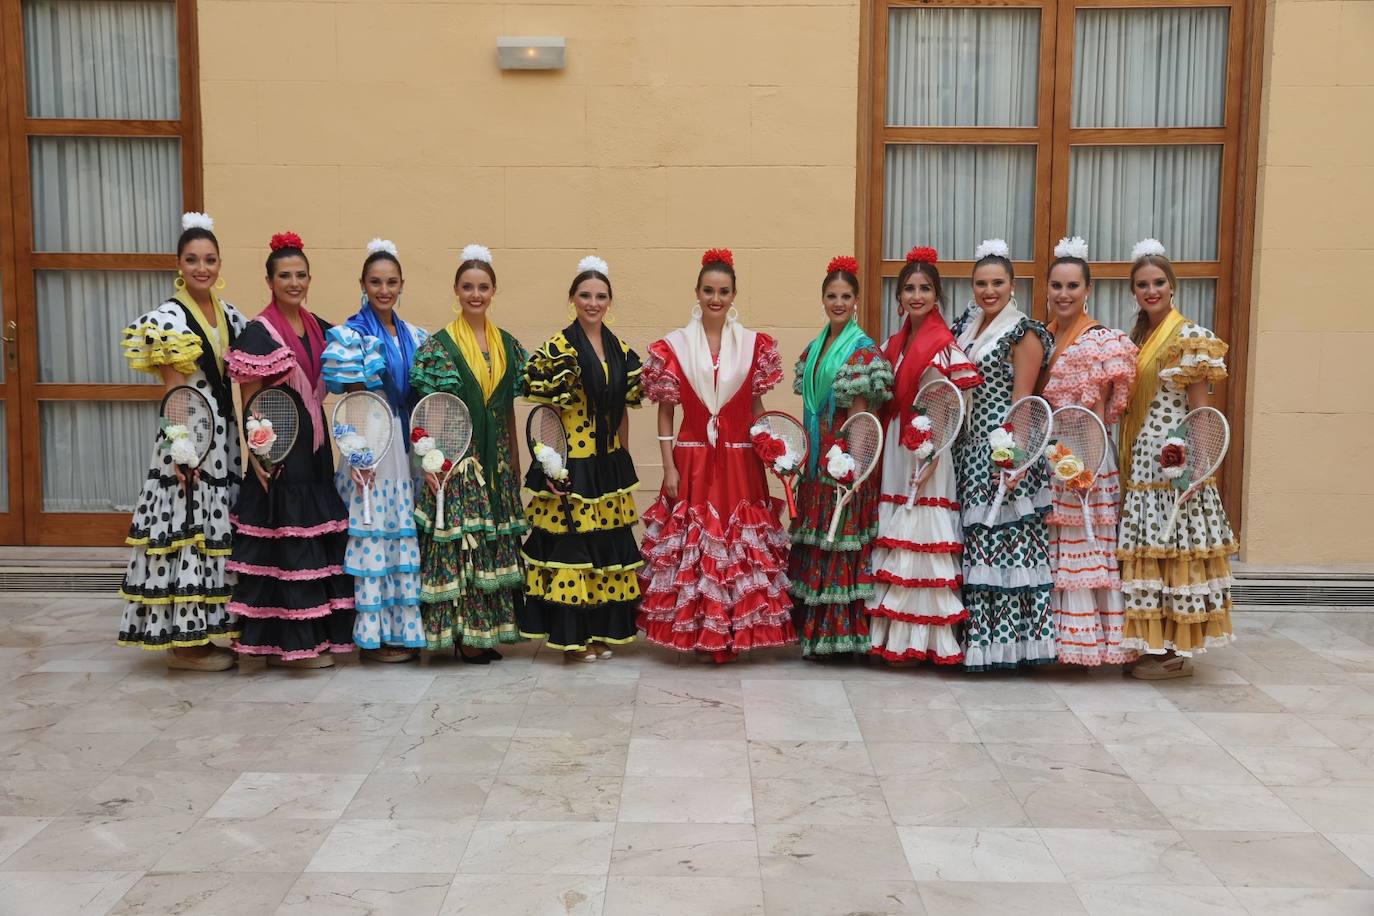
[[457, 307], [221, 283], [179, 283], [572, 312], [696, 310], [1011, 303], [732, 315], [610, 319]]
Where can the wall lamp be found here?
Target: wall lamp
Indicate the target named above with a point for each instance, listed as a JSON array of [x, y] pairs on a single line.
[[531, 52]]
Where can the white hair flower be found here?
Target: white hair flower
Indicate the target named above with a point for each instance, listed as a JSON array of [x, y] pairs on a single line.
[[1072, 247], [386, 245], [1146, 247], [997, 247], [592, 262], [476, 253], [195, 220]]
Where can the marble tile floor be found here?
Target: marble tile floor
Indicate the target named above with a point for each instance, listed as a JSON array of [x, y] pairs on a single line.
[[651, 784]]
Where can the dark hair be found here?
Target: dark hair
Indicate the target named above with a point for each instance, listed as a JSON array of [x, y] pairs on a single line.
[[721, 267], [380, 256], [1140, 331], [590, 275], [193, 234], [475, 264], [281, 254], [834, 275], [1082, 264], [929, 271], [996, 259]]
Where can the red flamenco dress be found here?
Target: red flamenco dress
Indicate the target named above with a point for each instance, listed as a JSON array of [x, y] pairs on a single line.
[[715, 573]]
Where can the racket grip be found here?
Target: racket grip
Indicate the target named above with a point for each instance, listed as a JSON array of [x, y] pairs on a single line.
[[367, 505], [835, 518], [913, 488], [1173, 521], [791, 499], [439, 506], [996, 503], [1088, 521]]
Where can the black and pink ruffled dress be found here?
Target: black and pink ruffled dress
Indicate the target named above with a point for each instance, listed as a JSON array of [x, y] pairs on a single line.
[[293, 597]]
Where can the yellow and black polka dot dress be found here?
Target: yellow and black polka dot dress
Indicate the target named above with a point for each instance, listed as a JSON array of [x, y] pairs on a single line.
[[580, 584]]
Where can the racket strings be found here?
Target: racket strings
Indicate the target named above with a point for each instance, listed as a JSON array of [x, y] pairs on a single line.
[[790, 432], [1030, 428], [863, 438], [371, 418], [1207, 438], [546, 428], [190, 409], [278, 408], [1082, 434], [945, 415]]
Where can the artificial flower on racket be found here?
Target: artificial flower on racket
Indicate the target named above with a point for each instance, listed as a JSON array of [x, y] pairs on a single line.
[[261, 437], [1173, 460], [918, 435], [550, 461], [1068, 468], [431, 456], [353, 446], [839, 464], [773, 451], [176, 440], [1005, 452]]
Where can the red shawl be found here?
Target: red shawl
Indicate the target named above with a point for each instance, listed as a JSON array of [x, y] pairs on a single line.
[[931, 337]]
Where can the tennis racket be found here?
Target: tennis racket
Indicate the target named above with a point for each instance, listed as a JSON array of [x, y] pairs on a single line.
[[363, 431], [276, 411], [187, 428], [941, 403], [1030, 430], [1206, 436], [863, 437], [786, 427], [445, 418], [1080, 431], [544, 427]]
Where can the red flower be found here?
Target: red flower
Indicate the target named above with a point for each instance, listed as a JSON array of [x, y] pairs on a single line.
[[417, 433], [447, 465], [1171, 456], [285, 240], [1004, 464], [913, 438], [723, 255], [923, 254], [1008, 427], [847, 478], [845, 263], [769, 448]]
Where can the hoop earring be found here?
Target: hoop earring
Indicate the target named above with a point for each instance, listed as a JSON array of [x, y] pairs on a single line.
[[610, 319], [221, 283], [1011, 303], [179, 283], [696, 310], [457, 307], [732, 315]]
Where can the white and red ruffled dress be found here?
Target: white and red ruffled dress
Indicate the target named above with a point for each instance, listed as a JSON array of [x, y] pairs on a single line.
[[916, 605], [715, 572], [1099, 367]]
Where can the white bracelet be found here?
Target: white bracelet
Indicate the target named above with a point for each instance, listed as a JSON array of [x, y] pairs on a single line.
[[666, 438]]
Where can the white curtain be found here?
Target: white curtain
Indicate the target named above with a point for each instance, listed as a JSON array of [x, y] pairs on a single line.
[[81, 319], [105, 194], [101, 59], [95, 455], [952, 196], [962, 67], [1112, 304], [1150, 67]]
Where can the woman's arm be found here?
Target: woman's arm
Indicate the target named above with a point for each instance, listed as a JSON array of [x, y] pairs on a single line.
[[1198, 395], [247, 389], [671, 478], [859, 405], [758, 404], [1027, 356]]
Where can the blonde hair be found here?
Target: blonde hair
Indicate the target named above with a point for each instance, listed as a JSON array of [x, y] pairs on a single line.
[[1140, 332]]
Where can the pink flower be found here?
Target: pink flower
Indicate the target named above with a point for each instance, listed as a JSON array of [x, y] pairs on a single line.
[[261, 438]]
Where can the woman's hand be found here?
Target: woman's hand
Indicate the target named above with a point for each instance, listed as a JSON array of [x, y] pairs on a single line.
[[433, 481], [362, 477], [924, 475], [264, 478], [671, 480]]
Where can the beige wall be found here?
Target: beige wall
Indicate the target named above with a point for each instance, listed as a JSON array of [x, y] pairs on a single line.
[[675, 127], [1309, 490]]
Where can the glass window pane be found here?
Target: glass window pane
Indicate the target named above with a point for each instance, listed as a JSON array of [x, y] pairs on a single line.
[[962, 67], [953, 196], [1113, 305], [958, 294], [81, 319], [105, 194], [1150, 67], [101, 59], [1119, 195], [73, 432]]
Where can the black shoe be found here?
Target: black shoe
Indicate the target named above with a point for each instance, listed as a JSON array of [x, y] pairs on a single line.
[[492, 655], [480, 658]]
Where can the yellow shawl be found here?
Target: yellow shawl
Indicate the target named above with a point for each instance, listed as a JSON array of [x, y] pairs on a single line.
[[488, 376], [217, 335], [1147, 364]]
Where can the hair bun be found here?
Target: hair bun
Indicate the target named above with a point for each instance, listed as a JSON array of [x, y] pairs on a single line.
[[286, 240], [386, 245], [718, 255], [924, 254], [997, 248], [592, 262], [844, 262], [196, 220], [1072, 247], [1148, 247], [475, 253]]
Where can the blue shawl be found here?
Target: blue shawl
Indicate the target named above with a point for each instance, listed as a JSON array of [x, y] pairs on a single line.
[[399, 353]]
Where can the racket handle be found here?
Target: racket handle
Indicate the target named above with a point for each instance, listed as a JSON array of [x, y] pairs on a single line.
[[1088, 520], [367, 504], [835, 518], [439, 505], [996, 503], [911, 485], [791, 499], [1173, 519]]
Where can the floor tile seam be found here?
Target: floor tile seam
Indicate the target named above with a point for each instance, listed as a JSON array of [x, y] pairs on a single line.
[[1040, 832]]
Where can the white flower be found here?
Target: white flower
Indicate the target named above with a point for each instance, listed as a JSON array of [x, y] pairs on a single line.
[[351, 444], [1073, 247], [592, 262], [838, 462], [926, 449], [998, 247], [786, 463], [1175, 440], [1067, 468], [1147, 247], [195, 220], [921, 422], [476, 253], [252, 424], [999, 438], [550, 461], [1174, 472], [424, 446], [176, 431], [433, 462], [759, 427], [183, 452], [386, 245], [1050, 450]]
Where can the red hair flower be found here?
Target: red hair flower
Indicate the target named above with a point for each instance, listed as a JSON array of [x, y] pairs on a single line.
[[923, 254], [845, 263], [723, 255], [285, 240]]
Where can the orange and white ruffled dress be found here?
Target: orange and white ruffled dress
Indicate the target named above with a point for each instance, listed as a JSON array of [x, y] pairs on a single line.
[[1089, 612]]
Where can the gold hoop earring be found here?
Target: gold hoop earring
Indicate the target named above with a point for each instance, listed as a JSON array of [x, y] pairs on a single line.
[[221, 283], [457, 307], [610, 319], [179, 283]]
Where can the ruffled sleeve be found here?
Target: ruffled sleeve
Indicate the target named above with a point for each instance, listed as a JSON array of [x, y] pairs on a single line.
[[634, 377], [432, 370], [352, 358], [799, 373], [162, 338], [767, 365], [660, 382], [1196, 356], [866, 375], [552, 374], [1099, 366], [257, 355], [954, 364]]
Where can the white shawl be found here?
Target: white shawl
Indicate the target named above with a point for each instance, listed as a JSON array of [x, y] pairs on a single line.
[[715, 387], [977, 345]]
